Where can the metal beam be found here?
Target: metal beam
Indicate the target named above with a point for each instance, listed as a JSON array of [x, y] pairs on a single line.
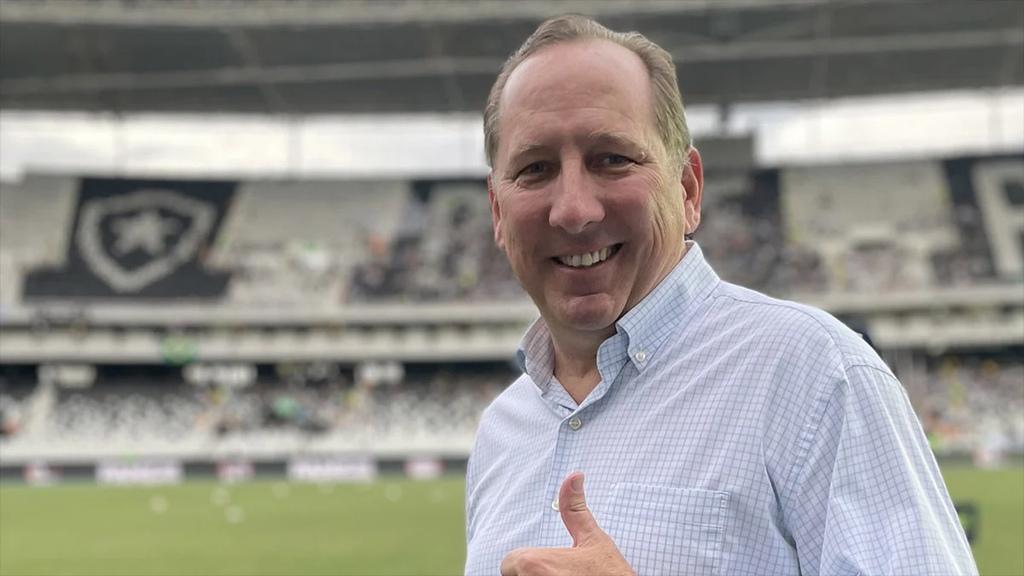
[[309, 12], [248, 54], [427, 67]]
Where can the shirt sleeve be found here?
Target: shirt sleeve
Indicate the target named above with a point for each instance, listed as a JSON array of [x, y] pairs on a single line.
[[470, 483], [869, 497]]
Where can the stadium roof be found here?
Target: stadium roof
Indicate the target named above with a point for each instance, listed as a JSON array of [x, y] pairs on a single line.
[[305, 57]]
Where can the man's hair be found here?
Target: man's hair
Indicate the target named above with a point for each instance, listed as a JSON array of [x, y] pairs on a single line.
[[670, 119]]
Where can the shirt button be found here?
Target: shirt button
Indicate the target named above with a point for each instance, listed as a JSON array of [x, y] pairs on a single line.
[[640, 356], [575, 423], [554, 504]]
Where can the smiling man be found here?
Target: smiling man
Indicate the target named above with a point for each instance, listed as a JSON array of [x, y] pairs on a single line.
[[720, 431]]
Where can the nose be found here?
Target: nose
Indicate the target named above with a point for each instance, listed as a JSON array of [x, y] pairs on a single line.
[[575, 203]]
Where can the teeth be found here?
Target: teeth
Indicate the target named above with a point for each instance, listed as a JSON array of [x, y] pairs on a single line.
[[586, 260]]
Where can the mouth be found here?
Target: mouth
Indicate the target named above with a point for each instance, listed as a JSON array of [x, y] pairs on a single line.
[[588, 259]]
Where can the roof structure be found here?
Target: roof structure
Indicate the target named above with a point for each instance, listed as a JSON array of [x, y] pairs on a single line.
[[307, 57]]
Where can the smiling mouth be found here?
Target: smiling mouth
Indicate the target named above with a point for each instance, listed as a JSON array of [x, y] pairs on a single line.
[[588, 259]]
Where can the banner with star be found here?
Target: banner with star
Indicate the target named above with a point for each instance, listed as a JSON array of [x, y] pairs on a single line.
[[140, 239]]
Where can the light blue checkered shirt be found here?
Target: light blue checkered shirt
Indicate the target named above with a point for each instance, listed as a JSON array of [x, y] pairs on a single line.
[[731, 433]]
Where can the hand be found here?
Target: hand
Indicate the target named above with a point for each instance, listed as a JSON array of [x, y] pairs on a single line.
[[592, 552]]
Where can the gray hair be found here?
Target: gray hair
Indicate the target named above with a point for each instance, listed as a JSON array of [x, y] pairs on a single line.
[[670, 118]]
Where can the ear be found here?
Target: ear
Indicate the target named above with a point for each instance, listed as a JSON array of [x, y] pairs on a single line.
[[693, 188], [495, 212]]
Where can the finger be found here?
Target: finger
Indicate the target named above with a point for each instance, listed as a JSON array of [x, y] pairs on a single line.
[[536, 561], [572, 504], [509, 564]]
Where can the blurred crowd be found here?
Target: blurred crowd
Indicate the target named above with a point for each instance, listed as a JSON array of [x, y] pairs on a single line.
[[140, 409], [786, 232], [968, 404], [972, 404], [445, 250]]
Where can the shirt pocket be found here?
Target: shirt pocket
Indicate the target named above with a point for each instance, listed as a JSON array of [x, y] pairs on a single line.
[[667, 530]]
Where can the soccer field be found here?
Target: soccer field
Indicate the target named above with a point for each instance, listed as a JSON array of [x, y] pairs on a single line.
[[388, 527], [999, 496]]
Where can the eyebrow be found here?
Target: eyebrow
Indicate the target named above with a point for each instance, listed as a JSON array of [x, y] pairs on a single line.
[[527, 149], [615, 139], [593, 138]]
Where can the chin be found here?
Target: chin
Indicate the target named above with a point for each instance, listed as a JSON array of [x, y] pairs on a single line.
[[590, 313]]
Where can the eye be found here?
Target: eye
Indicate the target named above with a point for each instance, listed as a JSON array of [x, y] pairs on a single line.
[[533, 171], [613, 161]]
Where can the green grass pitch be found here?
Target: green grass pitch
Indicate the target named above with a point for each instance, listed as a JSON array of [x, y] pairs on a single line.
[[999, 496], [391, 526], [263, 527]]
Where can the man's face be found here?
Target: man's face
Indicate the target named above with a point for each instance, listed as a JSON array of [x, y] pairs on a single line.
[[586, 205]]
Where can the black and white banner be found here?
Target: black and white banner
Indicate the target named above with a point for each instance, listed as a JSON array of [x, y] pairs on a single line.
[[140, 239]]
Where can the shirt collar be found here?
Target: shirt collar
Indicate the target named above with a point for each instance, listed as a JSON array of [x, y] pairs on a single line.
[[654, 318], [646, 326], [536, 354]]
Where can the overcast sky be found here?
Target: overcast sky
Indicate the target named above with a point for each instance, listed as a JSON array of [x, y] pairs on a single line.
[[913, 126]]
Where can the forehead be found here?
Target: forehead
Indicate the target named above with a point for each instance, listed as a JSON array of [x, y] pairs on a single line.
[[584, 87]]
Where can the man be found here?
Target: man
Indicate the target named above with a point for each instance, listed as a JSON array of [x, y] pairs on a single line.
[[720, 431]]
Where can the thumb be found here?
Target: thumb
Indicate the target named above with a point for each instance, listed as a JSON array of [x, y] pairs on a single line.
[[575, 514]]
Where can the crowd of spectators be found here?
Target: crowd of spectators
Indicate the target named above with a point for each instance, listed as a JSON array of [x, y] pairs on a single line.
[[971, 260], [310, 273], [445, 251], [139, 408], [432, 241], [743, 236], [14, 394], [310, 245], [968, 404], [971, 403]]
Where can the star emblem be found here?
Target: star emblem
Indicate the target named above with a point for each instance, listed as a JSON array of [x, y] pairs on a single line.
[[146, 230]]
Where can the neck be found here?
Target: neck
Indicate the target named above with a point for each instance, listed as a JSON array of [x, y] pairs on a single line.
[[576, 364], [576, 352]]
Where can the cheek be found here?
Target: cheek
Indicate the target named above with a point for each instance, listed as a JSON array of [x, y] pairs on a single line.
[[649, 209], [515, 228], [667, 211]]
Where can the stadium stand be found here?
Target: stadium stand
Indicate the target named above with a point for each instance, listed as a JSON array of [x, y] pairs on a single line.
[[838, 229], [445, 250], [296, 242], [799, 230], [869, 237], [148, 410], [968, 403], [34, 228], [971, 403], [16, 388], [913, 252]]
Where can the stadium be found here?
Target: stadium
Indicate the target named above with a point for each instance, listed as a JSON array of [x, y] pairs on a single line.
[[251, 308]]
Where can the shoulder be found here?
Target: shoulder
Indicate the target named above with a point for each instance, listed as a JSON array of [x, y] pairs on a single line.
[[794, 331], [505, 415], [804, 361], [513, 400], [502, 427]]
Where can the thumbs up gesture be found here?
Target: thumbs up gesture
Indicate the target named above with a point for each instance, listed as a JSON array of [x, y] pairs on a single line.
[[592, 552]]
